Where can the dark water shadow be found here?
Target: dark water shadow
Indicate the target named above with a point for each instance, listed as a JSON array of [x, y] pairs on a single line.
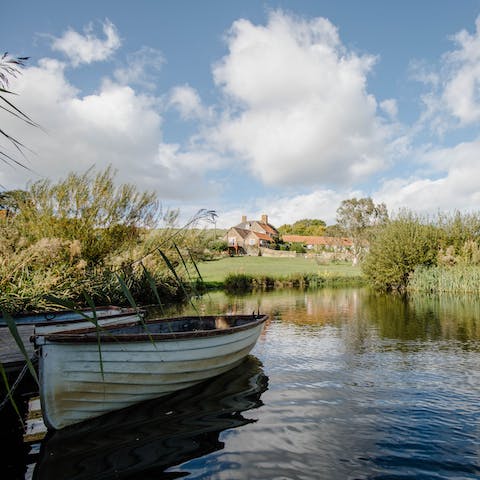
[[145, 440]]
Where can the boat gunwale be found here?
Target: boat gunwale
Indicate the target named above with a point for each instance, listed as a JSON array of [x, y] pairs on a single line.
[[84, 335], [46, 320]]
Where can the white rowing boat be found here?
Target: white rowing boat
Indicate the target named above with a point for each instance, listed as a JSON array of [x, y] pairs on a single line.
[[57, 320], [88, 372]]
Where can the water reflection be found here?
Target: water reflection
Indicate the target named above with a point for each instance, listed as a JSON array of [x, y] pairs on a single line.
[[360, 386], [143, 441], [416, 317]]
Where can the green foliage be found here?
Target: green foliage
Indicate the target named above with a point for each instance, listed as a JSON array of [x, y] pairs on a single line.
[[70, 238], [238, 282], [218, 246], [10, 200], [307, 226], [398, 249], [459, 229], [334, 231], [297, 247], [446, 279], [359, 219], [436, 255], [88, 208], [241, 282]]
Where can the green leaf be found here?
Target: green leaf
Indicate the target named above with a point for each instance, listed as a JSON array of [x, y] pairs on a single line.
[[153, 286], [129, 296], [126, 291], [94, 319], [178, 279], [12, 326], [68, 304]]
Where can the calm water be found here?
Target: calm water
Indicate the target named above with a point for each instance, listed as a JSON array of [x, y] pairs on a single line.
[[342, 384]]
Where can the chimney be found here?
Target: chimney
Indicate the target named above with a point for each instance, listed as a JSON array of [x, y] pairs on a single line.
[[244, 219], [264, 218]]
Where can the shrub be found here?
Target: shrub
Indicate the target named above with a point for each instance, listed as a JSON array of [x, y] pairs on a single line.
[[218, 246], [71, 237], [297, 247], [238, 282], [399, 247]]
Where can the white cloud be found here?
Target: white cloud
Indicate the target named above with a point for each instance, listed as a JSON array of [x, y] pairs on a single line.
[[390, 107], [453, 182], [299, 112], [115, 125], [453, 99], [443, 178], [186, 100], [88, 48], [463, 82], [141, 68]]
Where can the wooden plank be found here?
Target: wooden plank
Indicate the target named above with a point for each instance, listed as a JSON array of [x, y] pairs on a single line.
[[10, 355], [35, 428]]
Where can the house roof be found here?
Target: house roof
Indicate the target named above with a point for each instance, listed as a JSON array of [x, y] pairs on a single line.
[[313, 240], [241, 231], [261, 236], [266, 226]]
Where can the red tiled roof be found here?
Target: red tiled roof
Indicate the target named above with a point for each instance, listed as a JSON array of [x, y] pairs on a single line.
[[268, 228], [262, 236]]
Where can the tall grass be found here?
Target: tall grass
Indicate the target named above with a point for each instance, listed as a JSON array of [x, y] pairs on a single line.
[[446, 279], [72, 237], [241, 282]]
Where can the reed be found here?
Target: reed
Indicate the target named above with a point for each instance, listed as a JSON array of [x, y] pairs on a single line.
[[241, 282], [446, 279]]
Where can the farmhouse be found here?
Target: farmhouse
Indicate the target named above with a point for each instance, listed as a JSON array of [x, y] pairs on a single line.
[[249, 235]]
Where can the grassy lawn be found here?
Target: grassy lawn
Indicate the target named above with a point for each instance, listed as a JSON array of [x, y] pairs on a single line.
[[217, 270]]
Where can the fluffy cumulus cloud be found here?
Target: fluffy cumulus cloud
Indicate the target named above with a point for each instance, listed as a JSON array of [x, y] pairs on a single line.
[[444, 177], [115, 125], [461, 92], [294, 110], [452, 181], [300, 113], [88, 48], [452, 100]]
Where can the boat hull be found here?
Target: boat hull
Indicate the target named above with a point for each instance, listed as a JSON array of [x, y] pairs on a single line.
[[79, 381]]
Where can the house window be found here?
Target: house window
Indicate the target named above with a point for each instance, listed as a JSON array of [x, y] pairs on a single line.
[[251, 241]]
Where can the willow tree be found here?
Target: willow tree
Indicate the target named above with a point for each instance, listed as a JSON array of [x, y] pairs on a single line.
[[405, 243]]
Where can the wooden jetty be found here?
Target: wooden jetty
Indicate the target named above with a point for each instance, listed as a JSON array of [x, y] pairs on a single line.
[[11, 356], [35, 428]]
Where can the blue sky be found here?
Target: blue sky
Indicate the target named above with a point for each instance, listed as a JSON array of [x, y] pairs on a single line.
[[250, 107]]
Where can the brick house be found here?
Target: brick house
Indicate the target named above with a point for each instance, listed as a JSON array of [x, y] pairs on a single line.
[[249, 235]]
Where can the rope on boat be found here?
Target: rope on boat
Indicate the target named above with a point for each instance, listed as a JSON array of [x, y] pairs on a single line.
[[9, 395]]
